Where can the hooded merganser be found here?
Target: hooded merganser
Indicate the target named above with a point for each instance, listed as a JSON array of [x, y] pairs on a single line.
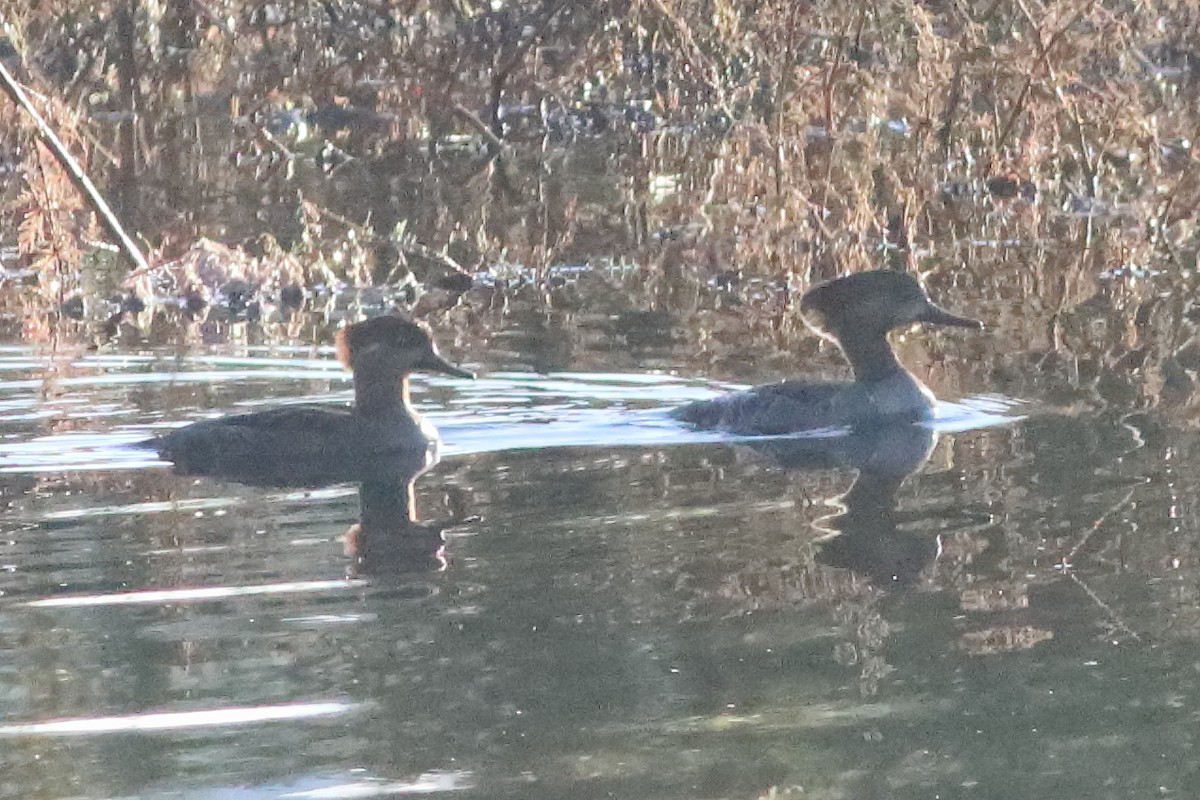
[[317, 444], [855, 312]]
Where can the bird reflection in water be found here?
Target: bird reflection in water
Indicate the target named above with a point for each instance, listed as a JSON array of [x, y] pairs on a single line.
[[865, 534], [388, 539]]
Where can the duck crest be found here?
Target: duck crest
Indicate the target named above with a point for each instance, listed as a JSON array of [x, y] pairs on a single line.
[[391, 330], [342, 345]]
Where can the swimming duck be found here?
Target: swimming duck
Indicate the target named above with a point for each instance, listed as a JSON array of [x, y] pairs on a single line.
[[297, 445], [855, 312]]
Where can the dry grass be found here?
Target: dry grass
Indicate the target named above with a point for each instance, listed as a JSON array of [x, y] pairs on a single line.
[[1034, 162]]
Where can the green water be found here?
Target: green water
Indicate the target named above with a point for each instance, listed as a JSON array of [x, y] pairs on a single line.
[[672, 619]]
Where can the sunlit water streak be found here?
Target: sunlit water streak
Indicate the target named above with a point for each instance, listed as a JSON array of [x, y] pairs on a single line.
[[166, 721], [355, 784], [978, 411], [191, 594], [198, 376], [425, 784], [208, 506]]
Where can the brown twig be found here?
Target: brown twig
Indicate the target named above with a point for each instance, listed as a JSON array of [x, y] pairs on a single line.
[[495, 143], [954, 99], [363, 231], [1044, 60], [1068, 104], [17, 94]]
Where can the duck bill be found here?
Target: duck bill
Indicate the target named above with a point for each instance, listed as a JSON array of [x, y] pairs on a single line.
[[937, 316], [435, 363]]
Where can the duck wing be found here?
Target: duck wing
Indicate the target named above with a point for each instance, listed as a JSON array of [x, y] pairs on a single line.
[[300, 446], [773, 408], [256, 447], [300, 427]]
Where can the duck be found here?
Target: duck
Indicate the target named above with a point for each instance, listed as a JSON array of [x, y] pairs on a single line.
[[856, 312], [316, 444]]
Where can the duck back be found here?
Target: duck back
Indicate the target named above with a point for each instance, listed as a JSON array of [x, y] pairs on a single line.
[[798, 405]]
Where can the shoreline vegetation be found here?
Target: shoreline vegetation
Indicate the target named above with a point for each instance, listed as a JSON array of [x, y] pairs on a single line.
[[695, 164]]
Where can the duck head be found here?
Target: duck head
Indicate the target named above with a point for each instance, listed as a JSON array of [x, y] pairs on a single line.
[[392, 344], [869, 304]]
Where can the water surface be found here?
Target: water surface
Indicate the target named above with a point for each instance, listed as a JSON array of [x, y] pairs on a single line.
[[622, 608]]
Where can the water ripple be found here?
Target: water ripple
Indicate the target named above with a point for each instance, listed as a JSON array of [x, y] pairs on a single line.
[[500, 411]]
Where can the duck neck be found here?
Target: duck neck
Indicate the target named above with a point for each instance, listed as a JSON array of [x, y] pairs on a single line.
[[871, 356], [378, 393]]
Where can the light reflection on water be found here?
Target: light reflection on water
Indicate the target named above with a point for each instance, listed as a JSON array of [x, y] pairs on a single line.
[[350, 786], [190, 595], [624, 607], [499, 411], [141, 723]]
